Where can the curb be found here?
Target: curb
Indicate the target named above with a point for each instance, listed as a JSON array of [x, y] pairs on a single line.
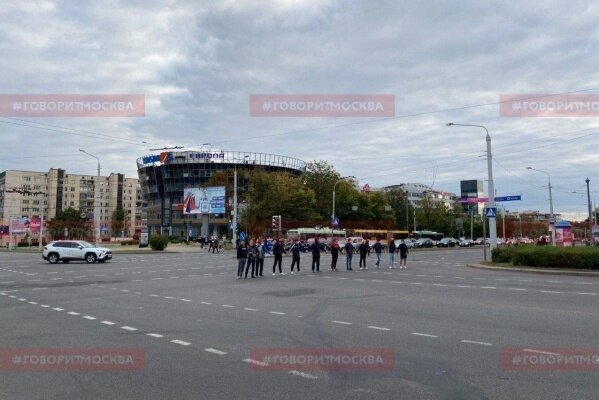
[[535, 270]]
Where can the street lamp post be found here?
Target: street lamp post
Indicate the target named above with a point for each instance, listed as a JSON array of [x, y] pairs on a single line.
[[492, 221], [590, 212], [551, 215], [97, 197], [234, 222], [334, 189]]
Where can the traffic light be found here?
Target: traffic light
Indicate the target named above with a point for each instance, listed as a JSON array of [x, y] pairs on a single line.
[[276, 222]]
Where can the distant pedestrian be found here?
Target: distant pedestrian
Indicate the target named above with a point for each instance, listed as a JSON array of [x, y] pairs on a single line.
[[277, 251], [363, 249], [335, 249], [202, 242], [378, 249], [210, 244], [349, 252], [260, 259], [392, 253], [295, 253], [215, 245], [315, 248], [403, 254], [242, 255], [252, 254]]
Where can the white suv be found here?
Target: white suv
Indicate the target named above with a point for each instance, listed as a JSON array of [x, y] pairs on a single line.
[[67, 250]]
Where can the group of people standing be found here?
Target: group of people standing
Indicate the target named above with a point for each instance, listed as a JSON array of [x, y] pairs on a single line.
[[250, 255]]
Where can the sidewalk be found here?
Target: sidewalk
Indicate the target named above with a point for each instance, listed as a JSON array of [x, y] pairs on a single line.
[[575, 272]]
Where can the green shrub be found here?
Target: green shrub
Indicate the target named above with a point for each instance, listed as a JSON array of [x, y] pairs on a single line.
[[158, 242], [129, 242], [548, 257]]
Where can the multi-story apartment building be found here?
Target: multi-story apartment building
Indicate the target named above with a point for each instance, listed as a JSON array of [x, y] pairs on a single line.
[[58, 190], [417, 191]]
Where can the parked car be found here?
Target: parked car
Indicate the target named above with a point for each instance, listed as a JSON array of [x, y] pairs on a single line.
[[446, 242], [421, 243], [466, 243], [75, 250], [525, 240], [409, 243]]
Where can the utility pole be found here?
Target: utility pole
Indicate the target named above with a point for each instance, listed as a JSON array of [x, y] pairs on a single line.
[[590, 212]]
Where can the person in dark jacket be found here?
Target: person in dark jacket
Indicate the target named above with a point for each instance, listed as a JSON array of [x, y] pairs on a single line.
[[403, 254], [277, 251], [378, 249], [261, 251], [349, 252], [295, 252], [335, 249], [391, 253], [252, 254], [364, 249], [315, 249], [242, 255]]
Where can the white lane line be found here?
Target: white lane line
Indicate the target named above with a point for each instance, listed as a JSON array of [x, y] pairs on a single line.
[[58, 309], [475, 342], [541, 352], [137, 280], [302, 374], [181, 342], [358, 279], [81, 276], [416, 283], [73, 313], [185, 300], [128, 328], [502, 280], [587, 294], [107, 322], [524, 280], [124, 290], [488, 287], [277, 313], [464, 286], [40, 288], [256, 362], [583, 283], [342, 322], [424, 335], [439, 284], [228, 306], [156, 279], [205, 302], [32, 302], [154, 335], [169, 297], [250, 309], [378, 328], [22, 299], [458, 277], [44, 305], [173, 277], [549, 291], [215, 351], [154, 295], [440, 276], [479, 279], [520, 289], [553, 281], [137, 292], [89, 317], [421, 276]]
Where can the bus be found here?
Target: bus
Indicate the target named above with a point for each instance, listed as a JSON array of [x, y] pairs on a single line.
[[427, 235], [379, 233], [308, 233]]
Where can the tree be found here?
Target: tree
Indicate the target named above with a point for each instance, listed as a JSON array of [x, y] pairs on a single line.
[[69, 220], [117, 221], [320, 176]]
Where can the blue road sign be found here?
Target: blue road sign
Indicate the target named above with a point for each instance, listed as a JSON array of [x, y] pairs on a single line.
[[490, 212], [336, 222], [509, 198]]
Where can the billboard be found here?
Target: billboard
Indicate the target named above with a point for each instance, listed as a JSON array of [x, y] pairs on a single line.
[[25, 225], [209, 200]]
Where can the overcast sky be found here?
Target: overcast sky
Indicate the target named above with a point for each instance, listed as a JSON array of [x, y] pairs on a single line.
[[198, 62]]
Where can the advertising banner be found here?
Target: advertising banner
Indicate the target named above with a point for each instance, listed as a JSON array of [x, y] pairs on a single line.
[[210, 200]]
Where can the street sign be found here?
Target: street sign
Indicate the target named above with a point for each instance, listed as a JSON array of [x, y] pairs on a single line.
[[509, 198], [335, 221], [490, 212], [469, 200]]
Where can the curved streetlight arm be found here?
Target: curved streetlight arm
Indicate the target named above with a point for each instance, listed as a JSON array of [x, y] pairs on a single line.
[[343, 179]]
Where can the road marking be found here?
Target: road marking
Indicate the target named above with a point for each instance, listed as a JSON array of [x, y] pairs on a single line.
[[440, 276], [73, 313], [32, 302], [128, 328], [215, 351], [502, 280], [541, 352], [255, 362], [124, 290], [475, 342], [21, 299], [181, 342], [342, 322], [136, 292], [302, 374], [588, 294], [169, 297], [44, 305], [89, 317], [278, 313], [205, 302], [549, 291], [488, 287], [524, 280], [250, 309], [40, 288], [154, 335], [464, 286], [228, 306], [424, 335], [79, 277], [378, 328], [154, 295], [107, 322], [439, 284], [358, 279], [137, 280], [520, 289], [156, 279], [185, 300], [420, 275], [416, 283], [553, 281], [458, 277], [583, 283]]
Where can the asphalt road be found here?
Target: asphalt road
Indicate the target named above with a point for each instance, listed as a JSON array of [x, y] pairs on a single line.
[[200, 329]]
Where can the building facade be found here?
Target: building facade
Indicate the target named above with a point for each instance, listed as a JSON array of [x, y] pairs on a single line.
[[35, 194], [471, 189], [163, 178], [417, 191]]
